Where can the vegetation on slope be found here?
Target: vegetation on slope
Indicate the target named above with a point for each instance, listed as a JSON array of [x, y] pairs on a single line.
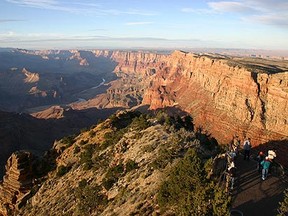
[[132, 164], [188, 192], [283, 207]]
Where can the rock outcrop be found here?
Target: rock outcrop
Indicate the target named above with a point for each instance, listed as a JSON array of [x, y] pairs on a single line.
[[17, 182], [30, 77]]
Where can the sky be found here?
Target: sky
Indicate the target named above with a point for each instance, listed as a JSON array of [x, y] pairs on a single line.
[[157, 24]]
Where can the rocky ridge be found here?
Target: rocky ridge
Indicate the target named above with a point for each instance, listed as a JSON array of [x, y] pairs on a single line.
[[17, 182], [118, 167]]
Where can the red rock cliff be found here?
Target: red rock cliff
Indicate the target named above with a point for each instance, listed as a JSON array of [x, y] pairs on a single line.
[[224, 97]]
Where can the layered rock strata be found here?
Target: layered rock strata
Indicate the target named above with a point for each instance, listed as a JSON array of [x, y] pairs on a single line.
[[225, 96], [16, 183]]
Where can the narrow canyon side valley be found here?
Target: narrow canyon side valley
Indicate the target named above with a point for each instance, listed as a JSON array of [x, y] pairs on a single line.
[[76, 120]]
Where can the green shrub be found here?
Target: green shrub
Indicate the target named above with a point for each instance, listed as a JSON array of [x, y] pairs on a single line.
[[113, 137], [90, 199], [140, 123], [92, 133], [76, 149], [68, 140], [83, 142], [283, 206], [83, 130], [112, 175], [188, 192], [86, 157], [188, 123], [131, 165], [82, 184], [161, 116], [164, 158], [62, 170], [123, 119]]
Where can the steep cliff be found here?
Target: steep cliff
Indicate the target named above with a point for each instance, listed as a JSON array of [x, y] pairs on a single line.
[[225, 95]]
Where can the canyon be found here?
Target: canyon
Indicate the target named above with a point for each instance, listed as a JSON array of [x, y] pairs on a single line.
[[225, 95], [57, 98]]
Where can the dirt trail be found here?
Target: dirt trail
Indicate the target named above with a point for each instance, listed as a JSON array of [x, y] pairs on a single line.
[[253, 196]]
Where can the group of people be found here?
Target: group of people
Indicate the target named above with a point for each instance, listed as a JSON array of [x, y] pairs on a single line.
[[264, 161], [231, 168]]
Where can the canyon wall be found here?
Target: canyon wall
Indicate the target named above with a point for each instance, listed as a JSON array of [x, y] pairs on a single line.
[[224, 97]]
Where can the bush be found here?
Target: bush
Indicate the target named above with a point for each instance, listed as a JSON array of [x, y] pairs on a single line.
[[83, 142], [76, 149], [83, 130], [68, 140], [164, 158], [90, 199], [131, 165], [283, 206], [92, 133], [161, 116], [62, 170], [112, 176], [86, 157], [82, 184], [140, 123], [123, 119], [188, 192], [188, 123], [113, 137]]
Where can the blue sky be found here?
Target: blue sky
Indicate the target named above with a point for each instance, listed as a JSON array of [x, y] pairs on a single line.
[[62, 24]]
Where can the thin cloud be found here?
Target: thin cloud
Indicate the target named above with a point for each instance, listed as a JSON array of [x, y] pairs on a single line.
[[46, 4], [77, 7], [229, 6], [60, 41], [138, 23], [99, 29], [11, 37], [35, 3], [197, 11], [272, 12], [268, 5], [10, 20], [269, 20]]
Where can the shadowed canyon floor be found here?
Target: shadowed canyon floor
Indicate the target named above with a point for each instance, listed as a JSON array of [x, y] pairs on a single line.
[[252, 195]]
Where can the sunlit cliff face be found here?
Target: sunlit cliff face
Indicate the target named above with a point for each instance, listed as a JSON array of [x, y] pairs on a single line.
[[224, 97]]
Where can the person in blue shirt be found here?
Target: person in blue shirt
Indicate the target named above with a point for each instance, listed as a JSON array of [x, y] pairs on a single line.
[[265, 167]]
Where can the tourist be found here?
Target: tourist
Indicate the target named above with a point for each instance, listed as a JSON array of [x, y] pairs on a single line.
[[271, 156], [265, 167], [235, 144], [247, 148], [230, 177], [231, 156], [260, 158]]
